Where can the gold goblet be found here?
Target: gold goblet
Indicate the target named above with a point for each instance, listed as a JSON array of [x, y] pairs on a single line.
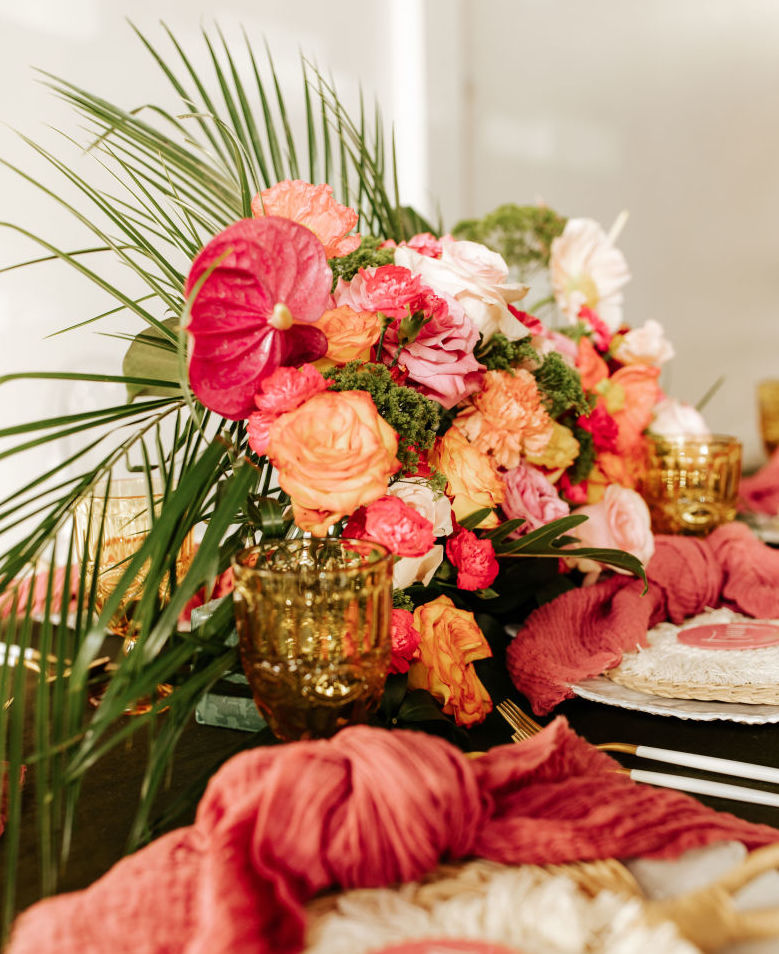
[[690, 482], [112, 524], [768, 405], [313, 620]]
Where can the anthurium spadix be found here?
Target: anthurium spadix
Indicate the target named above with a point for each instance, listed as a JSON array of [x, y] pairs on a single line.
[[266, 281]]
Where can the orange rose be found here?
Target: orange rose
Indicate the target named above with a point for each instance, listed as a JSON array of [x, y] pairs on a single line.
[[506, 419], [472, 481], [349, 334], [334, 453], [450, 643]]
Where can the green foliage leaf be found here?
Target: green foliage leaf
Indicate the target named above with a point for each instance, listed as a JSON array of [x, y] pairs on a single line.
[[151, 356]]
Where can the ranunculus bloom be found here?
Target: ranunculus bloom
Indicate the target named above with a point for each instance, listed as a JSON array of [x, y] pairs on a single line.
[[472, 480], [350, 334], [621, 521], [284, 390], [671, 417], [314, 207], [531, 496], [591, 366], [408, 570], [639, 386], [333, 454], [405, 640], [645, 345], [440, 361], [474, 559], [390, 289], [558, 455], [417, 493], [506, 418], [264, 276], [451, 642], [476, 277], [394, 524], [586, 269]]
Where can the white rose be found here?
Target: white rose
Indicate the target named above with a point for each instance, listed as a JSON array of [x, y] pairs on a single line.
[[477, 278], [645, 345], [670, 417], [410, 570], [436, 508]]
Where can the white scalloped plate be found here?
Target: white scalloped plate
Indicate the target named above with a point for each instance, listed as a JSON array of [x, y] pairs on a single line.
[[601, 689]]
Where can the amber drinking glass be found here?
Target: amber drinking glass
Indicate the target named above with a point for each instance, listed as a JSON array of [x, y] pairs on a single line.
[[313, 619], [690, 482], [768, 406]]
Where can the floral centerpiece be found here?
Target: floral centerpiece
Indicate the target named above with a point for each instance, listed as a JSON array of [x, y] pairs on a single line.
[[311, 364]]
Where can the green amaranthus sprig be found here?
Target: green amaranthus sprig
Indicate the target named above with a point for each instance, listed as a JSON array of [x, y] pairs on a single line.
[[522, 234], [500, 354], [368, 255]]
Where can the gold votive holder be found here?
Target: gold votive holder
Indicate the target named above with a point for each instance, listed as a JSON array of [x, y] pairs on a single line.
[[690, 482], [768, 407], [313, 619]]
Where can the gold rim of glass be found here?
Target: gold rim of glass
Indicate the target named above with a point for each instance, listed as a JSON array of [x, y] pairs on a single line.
[[376, 554]]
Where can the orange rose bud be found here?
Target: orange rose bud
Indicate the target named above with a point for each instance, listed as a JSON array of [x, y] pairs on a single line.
[[472, 480], [450, 643], [333, 454], [350, 334]]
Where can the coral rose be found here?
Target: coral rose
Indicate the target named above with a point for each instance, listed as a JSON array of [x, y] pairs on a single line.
[[405, 640], [474, 559], [531, 496], [350, 335], [333, 454], [284, 390], [506, 419], [394, 524], [472, 480], [450, 643], [621, 520], [591, 366], [314, 207], [638, 383]]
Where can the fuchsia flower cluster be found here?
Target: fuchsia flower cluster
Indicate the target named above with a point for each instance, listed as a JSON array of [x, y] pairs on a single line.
[[266, 319]]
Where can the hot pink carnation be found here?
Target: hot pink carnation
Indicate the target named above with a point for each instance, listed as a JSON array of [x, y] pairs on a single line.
[[405, 640], [284, 390], [601, 333], [390, 289], [474, 559], [603, 428], [440, 361], [391, 522], [530, 495]]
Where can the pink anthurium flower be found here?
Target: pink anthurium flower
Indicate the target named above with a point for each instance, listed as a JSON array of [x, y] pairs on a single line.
[[269, 275]]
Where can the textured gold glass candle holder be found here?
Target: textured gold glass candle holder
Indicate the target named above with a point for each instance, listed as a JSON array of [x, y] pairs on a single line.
[[768, 406], [690, 483], [313, 619]]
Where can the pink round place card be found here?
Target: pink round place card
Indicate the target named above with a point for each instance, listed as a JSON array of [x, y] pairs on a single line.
[[741, 635], [447, 945]]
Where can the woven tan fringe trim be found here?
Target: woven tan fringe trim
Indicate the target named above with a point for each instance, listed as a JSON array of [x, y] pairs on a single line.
[[752, 695]]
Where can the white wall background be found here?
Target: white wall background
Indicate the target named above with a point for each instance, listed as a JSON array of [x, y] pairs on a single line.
[[668, 109]]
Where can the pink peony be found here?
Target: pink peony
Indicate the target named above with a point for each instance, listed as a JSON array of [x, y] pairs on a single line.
[[394, 524], [405, 641], [474, 559], [284, 390], [261, 277], [390, 289], [620, 520], [530, 495], [440, 361]]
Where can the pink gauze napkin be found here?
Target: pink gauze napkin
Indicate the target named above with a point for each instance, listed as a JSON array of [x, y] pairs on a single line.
[[585, 631], [760, 492], [368, 808]]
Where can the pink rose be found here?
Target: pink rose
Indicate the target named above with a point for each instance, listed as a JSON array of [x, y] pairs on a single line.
[[474, 559], [621, 521], [282, 391], [393, 523], [390, 289], [405, 640], [440, 361], [530, 495]]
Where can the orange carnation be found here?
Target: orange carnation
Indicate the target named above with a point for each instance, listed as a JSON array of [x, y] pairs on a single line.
[[314, 207], [506, 419], [592, 367], [333, 454], [472, 481], [349, 334], [450, 643]]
